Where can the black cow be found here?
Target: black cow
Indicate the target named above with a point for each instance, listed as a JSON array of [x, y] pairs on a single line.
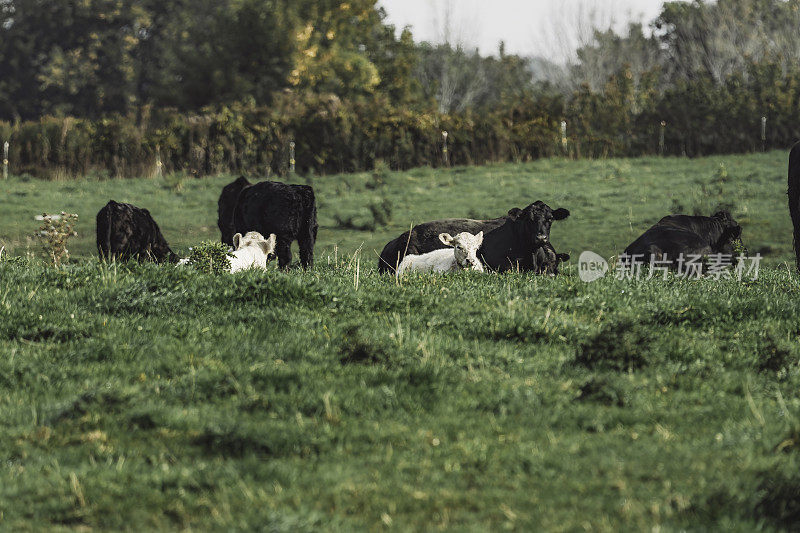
[[674, 235], [288, 211], [509, 242], [125, 231], [225, 207], [794, 198]]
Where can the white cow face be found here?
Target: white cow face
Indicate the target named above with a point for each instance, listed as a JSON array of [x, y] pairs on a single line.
[[465, 245], [254, 238]]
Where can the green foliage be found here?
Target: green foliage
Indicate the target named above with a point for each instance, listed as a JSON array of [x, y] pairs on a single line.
[[210, 257], [223, 86]]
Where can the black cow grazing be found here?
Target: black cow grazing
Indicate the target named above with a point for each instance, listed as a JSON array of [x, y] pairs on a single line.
[[674, 235], [288, 211], [794, 198], [509, 242], [225, 207], [125, 231]]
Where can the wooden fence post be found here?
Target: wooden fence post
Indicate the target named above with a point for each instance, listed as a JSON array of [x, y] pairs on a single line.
[[5, 160], [763, 134], [159, 165], [564, 136], [444, 149], [291, 157], [661, 138]]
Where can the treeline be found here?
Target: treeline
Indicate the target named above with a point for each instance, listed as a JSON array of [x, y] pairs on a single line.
[[137, 87]]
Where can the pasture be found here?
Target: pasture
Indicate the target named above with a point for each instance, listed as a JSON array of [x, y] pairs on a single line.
[[156, 397]]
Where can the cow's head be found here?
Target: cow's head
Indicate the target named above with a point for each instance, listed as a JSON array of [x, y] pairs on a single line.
[[536, 219], [465, 246], [255, 239], [731, 233]]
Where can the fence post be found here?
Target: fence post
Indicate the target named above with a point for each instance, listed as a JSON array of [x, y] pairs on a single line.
[[291, 157], [159, 164], [661, 138], [564, 136], [763, 134], [444, 149], [5, 160]]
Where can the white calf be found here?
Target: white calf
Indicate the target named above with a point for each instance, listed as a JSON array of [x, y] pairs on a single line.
[[252, 251], [462, 255]]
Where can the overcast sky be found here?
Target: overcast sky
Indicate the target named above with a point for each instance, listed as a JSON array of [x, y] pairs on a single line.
[[549, 28]]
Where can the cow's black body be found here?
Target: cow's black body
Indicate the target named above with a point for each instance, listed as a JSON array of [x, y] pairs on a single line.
[[288, 211], [225, 207], [509, 242], [125, 231], [674, 235], [794, 198]]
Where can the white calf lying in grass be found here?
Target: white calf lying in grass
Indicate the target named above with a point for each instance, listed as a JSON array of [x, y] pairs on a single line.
[[462, 255], [252, 251]]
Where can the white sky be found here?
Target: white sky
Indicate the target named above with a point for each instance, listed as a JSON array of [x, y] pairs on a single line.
[[548, 28]]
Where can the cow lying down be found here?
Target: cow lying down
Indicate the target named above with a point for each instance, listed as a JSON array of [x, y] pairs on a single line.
[[682, 235], [250, 251], [461, 254]]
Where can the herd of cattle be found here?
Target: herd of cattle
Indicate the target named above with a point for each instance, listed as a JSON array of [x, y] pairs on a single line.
[[519, 240]]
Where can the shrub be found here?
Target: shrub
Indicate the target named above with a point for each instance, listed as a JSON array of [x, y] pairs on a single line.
[[54, 233], [210, 257]]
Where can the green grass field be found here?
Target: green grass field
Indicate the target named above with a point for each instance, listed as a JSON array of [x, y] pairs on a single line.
[[156, 397]]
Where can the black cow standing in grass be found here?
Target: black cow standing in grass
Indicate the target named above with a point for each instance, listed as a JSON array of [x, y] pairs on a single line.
[[288, 211], [125, 231], [509, 242], [794, 198], [674, 235], [225, 207]]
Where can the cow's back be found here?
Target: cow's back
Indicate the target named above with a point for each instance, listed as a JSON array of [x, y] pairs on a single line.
[[124, 231], [672, 241], [708, 228], [274, 207]]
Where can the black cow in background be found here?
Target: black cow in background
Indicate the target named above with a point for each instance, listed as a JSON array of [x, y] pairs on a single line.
[[125, 231], [674, 235], [509, 242], [288, 211], [794, 198], [225, 207]]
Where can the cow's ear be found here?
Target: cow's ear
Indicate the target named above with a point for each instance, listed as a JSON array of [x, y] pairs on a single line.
[[735, 232], [268, 246], [446, 239], [562, 257], [514, 212], [560, 214], [236, 240]]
